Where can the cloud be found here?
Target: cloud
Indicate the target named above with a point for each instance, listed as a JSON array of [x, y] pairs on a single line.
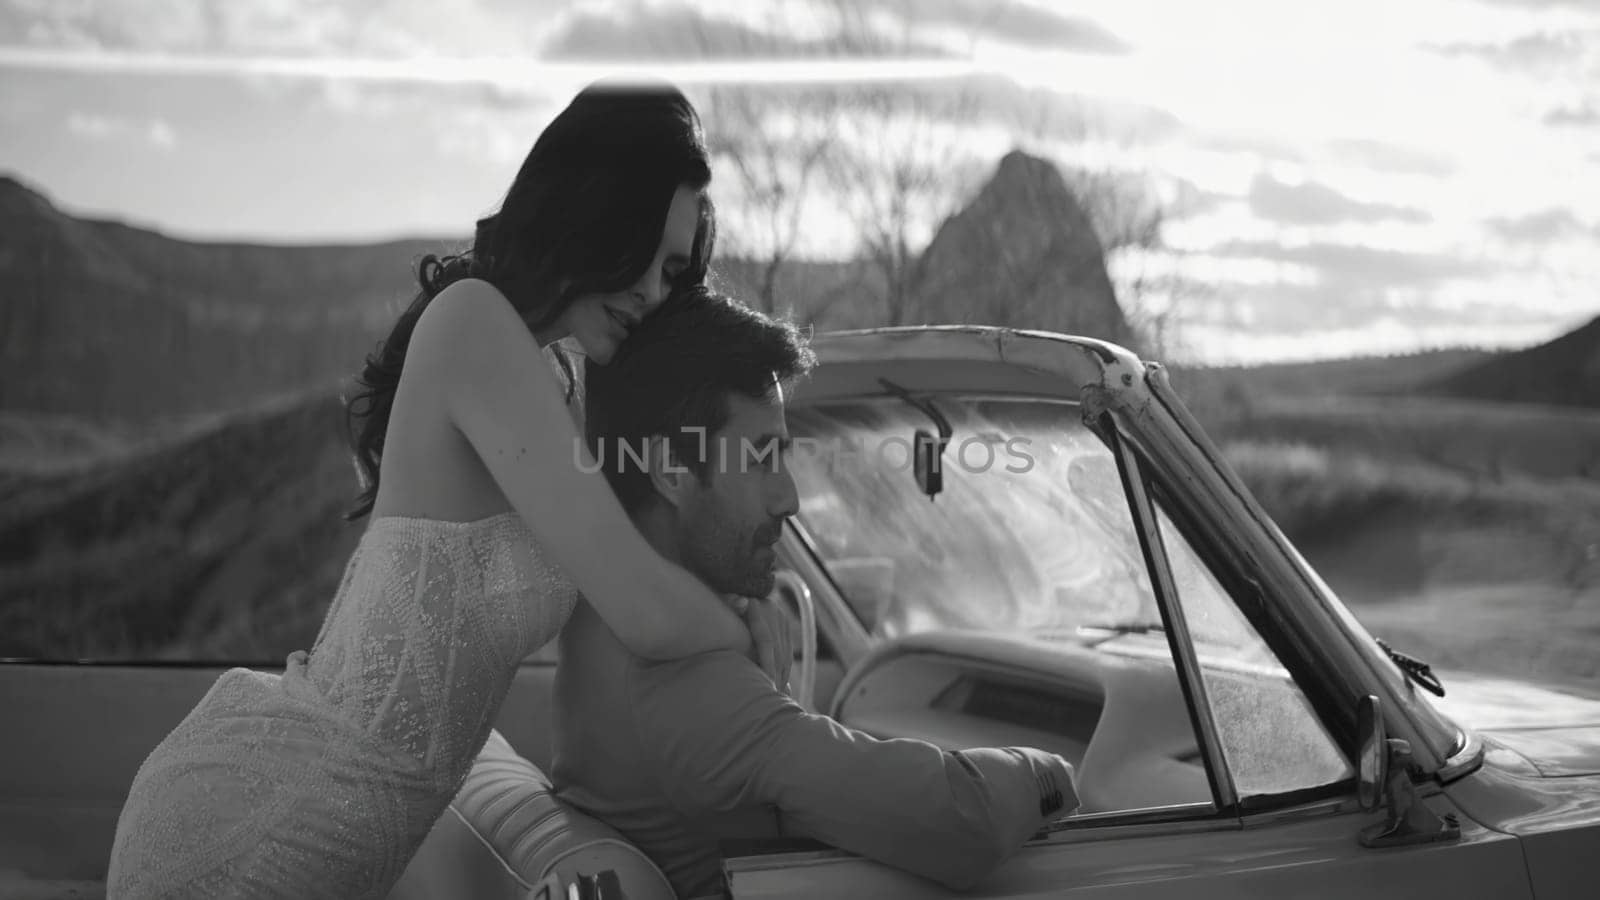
[[1313, 315], [1581, 5], [1354, 266], [179, 25], [1540, 227], [1310, 203], [681, 33], [1386, 156], [971, 102], [1540, 50], [396, 29], [1057, 114], [155, 132], [1014, 22], [1582, 115], [1236, 333], [1257, 146], [877, 28]]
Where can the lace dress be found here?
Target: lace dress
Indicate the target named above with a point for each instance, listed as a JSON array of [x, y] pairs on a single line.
[[322, 782]]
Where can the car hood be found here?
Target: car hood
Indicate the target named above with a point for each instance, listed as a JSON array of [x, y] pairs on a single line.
[[1556, 728]]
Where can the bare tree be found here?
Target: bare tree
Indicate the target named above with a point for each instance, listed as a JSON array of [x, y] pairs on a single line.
[[900, 166], [1158, 305], [878, 158], [891, 161], [897, 174], [775, 143]]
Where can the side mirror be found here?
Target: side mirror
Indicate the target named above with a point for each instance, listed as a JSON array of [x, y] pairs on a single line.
[[1373, 763], [1384, 782]]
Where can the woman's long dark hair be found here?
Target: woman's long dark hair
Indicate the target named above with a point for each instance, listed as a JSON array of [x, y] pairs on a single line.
[[584, 215]]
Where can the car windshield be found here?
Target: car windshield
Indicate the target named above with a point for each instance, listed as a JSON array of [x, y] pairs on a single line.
[[1030, 535]]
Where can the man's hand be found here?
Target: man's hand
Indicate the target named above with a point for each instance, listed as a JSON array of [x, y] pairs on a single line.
[[772, 644]]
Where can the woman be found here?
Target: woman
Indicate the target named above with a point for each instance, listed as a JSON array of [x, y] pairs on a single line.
[[322, 782]]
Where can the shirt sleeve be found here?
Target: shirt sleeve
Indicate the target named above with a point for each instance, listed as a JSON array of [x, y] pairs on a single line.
[[723, 738]]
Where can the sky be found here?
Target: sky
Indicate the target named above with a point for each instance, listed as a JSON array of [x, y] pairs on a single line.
[[1339, 176]]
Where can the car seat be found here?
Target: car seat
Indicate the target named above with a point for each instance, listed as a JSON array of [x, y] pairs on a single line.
[[505, 835]]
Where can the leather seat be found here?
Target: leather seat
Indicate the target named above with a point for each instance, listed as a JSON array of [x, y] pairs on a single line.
[[505, 833]]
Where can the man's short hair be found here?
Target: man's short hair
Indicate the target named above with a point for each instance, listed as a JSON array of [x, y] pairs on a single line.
[[674, 374]]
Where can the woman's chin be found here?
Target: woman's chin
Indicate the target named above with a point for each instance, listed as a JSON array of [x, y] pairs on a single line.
[[599, 352]]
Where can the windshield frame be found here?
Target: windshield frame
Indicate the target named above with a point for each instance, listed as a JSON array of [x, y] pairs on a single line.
[[1291, 605]]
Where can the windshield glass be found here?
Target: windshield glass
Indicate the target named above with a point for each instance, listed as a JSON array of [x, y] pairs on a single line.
[[1030, 535]]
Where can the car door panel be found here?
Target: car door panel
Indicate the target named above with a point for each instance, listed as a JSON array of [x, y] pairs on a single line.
[[80, 733], [1273, 857]]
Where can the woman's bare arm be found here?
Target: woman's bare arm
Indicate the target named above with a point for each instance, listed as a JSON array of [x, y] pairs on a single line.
[[499, 391]]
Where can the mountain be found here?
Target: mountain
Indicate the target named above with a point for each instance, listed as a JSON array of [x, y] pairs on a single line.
[[1562, 372], [1023, 254], [101, 319]]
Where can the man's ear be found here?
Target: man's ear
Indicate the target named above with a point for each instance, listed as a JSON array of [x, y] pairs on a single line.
[[668, 474]]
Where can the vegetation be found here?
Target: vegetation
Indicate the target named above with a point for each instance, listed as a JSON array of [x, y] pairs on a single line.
[[223, 545]]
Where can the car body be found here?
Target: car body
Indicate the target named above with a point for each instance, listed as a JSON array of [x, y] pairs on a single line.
[[1104, 587], [1218, 741]]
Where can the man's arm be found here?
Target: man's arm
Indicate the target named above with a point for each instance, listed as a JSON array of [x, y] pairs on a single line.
[[722, 738]]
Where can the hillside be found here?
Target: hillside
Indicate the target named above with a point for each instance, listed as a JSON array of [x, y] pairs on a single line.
[[1365, 375], [115, 322], [126, 328], [223, 545], [1564, 372]]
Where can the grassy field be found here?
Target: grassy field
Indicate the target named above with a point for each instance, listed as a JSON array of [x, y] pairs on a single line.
[[226, 544], [1467, 534]]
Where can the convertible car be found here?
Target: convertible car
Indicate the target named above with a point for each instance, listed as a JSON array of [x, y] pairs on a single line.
[[1005, 538]]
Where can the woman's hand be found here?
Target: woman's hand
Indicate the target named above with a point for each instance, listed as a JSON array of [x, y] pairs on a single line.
[[772, 643]]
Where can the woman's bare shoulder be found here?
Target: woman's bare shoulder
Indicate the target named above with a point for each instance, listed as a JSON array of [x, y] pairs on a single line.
[[464, 307], [470, 330]]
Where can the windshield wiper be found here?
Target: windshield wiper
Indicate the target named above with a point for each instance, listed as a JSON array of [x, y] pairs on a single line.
[[1415, 669], [1126, 627], [1112, 631]]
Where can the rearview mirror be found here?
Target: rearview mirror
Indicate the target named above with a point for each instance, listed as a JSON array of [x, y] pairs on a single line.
[[926, 451], [1373, 759]]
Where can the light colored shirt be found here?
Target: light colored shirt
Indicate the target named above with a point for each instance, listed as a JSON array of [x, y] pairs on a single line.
[[680, 755]]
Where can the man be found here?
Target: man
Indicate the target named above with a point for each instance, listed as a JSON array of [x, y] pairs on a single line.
[[685, 422]]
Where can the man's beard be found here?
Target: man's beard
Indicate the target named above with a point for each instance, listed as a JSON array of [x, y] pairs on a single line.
[[731, 567]]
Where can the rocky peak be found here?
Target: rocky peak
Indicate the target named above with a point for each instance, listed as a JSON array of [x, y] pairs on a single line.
[[1022, 254]]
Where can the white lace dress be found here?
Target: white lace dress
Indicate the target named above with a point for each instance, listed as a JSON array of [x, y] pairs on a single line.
[[323, 781]]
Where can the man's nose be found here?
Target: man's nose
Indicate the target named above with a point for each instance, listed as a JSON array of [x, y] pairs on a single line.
[[786, 496]]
